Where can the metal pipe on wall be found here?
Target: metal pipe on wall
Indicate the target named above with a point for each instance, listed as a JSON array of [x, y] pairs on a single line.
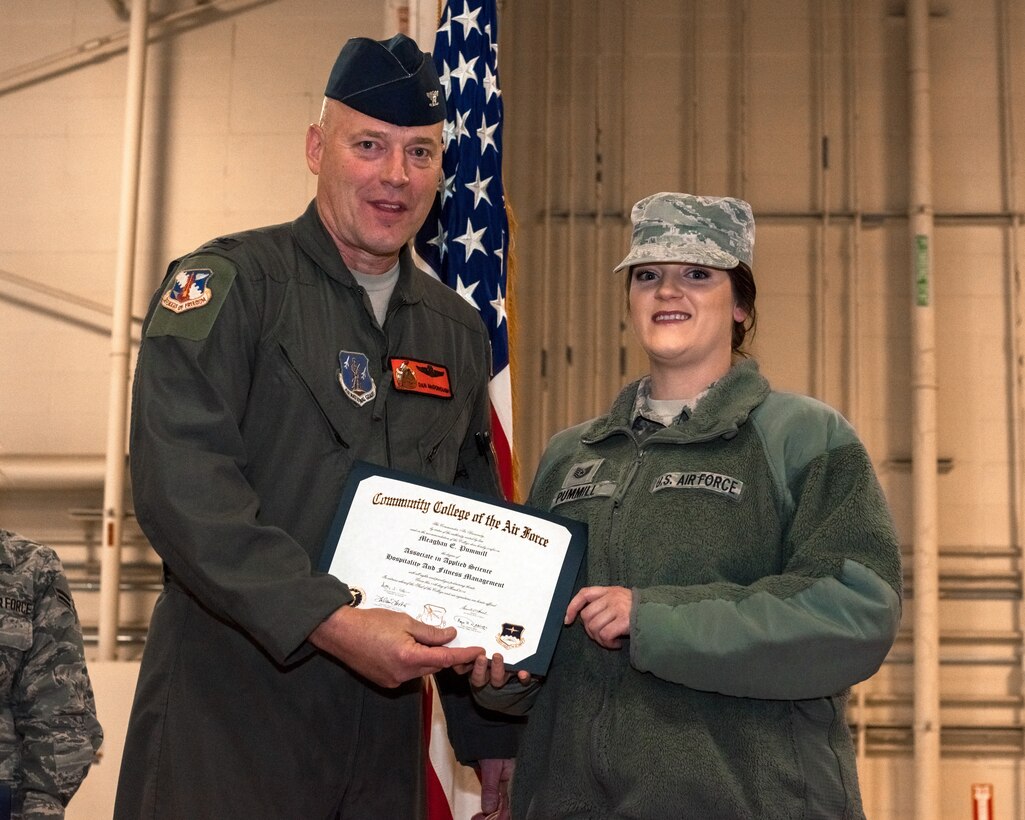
[[1016, 321], [56, 472], [853, 317], [567, 401], [599, 287], [120, 344], [543, 429], [742, 103], [695, 108], [924, 432], [821, 313]]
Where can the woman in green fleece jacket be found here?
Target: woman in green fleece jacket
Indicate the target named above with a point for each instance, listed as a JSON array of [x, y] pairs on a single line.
[[742, 569]]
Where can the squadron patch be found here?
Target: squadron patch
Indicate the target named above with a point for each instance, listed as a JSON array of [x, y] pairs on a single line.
[[412, 376], [191, 297], [697, 480], [354, 377], [189, 290]]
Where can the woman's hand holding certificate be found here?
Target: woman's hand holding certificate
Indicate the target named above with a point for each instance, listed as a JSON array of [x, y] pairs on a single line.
[[500, 574]]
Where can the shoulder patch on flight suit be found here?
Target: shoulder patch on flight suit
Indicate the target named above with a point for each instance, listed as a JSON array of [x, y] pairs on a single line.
[[192, 297]]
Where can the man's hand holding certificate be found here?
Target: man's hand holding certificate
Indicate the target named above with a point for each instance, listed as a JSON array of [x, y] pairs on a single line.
[[500, 573]]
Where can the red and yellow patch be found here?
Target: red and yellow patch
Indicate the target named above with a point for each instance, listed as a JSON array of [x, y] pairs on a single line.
[[412, 376]]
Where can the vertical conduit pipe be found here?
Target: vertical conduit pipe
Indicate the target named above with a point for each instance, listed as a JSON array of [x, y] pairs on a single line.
[[1016, 320], [695, 109], [600, 288], [545, 428], [819, 275], [745, 51], [923, 447], [120, 337], [624, 231], [570, 400], [853, 321]]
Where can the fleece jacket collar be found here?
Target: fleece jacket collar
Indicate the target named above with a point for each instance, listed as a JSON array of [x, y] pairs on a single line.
[[727, 406]]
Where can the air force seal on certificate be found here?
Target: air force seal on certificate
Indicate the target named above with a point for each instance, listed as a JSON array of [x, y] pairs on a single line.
[[511, 636], [189, 290], [354, 377], [579, 483]]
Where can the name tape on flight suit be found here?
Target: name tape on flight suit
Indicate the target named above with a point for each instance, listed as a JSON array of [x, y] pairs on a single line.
[[412, 376]]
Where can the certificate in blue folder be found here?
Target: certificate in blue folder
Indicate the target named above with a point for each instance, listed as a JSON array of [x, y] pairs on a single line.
[[502, 574]]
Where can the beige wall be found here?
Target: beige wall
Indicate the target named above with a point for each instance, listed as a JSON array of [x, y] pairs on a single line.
[[605, 102]]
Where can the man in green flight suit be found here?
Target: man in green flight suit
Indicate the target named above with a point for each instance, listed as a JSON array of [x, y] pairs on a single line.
[[266, 370]]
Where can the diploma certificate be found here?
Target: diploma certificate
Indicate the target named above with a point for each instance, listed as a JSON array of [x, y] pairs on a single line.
[[502, 574]]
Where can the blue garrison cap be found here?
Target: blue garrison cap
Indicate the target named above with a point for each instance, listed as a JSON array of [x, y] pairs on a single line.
[[390, 80]]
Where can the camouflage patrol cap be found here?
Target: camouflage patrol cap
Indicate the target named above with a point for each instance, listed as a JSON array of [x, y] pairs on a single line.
[[389, 80], [717, 232]]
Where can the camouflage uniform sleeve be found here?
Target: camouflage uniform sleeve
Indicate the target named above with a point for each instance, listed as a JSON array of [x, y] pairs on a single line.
[[53, 705]]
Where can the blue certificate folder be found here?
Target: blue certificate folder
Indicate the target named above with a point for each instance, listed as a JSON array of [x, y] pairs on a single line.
[[501, 637]]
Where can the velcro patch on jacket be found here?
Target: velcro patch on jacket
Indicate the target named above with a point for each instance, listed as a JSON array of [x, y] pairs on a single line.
[[577, 492], [412, 376], [698, 480], [19, 606], [582, 472], [192, 297]]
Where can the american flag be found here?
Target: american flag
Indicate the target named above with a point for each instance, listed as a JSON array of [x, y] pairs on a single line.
[[465, 240]]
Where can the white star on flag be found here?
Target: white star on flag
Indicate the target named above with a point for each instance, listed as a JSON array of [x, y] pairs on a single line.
[[468, 19], [480, 189], [467, 291], [471, 240], [499, 305], [490, 83], [460, 129], [464, 73], [486, 135]]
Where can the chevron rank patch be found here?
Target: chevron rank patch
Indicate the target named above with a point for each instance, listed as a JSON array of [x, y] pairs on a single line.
[[579, 483], [192, 297]]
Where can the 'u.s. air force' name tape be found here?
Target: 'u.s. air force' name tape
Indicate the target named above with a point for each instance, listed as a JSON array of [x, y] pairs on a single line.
[[699, 480]]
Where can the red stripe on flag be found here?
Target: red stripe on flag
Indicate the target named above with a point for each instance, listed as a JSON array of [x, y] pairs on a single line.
[[504, 455], [438, 807]]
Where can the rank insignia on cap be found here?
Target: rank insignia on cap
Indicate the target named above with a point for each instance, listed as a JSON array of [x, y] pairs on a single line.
[[433, 98], [354, 377], [188, 290], [411, 376], [511, 636]]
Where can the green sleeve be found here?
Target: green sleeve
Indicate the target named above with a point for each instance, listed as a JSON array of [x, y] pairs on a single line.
[[825, 623], [188, 463]]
